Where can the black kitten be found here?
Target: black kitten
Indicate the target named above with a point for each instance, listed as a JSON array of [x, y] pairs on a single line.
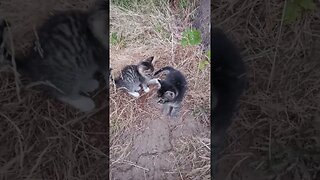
[[229, 83], [171, 90]]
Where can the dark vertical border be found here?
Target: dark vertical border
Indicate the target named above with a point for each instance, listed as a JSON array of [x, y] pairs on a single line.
[[108, 92], [213, 159]]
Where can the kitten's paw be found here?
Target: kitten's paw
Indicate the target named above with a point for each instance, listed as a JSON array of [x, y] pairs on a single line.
[[134, 94], [81, 103], [158, 83], [174, 115], [89, 85], [155, 81], [86, 105], [146, 89]]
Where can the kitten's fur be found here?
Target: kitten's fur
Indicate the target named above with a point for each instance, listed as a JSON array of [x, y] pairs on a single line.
[[132, 77], [73, 48], [228, 84], [3, 51], [171, 90]]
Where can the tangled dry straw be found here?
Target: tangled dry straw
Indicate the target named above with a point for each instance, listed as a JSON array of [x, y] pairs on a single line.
[[276, 133]]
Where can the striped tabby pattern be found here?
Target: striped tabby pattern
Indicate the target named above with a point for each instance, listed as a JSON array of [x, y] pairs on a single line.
[[70, 50], [134, 76]]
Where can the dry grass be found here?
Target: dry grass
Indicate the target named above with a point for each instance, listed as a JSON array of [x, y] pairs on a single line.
[[40, 137], [278, 122], [156, 31]]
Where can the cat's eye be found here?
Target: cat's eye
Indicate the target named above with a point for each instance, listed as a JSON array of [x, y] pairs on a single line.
[[161, 101]]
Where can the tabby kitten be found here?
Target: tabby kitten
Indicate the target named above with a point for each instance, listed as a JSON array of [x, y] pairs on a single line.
[[72, 48], [132, 77], [171, 90]]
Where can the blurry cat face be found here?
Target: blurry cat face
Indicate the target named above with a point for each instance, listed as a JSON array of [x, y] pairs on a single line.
[[147, 71], [166, 93], [165, 97], [146, 68]]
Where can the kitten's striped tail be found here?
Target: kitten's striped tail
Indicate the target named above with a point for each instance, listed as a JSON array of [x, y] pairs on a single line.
[[116, 81], [166, 70], [110, 74]]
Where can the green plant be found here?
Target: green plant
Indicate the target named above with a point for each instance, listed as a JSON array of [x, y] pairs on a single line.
[[183, 4], [116, 40], [295, 8], [163, 32], [127, 4], [203, 64], [190, 37], [140, 5], [209, 55]]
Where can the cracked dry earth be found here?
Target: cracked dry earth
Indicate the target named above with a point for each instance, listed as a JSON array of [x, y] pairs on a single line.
[[153, 154]]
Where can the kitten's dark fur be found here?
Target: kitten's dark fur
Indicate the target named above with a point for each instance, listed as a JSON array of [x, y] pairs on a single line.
[[132, 77], [229, 82], [73, 48], [3, 51], [171, 90]]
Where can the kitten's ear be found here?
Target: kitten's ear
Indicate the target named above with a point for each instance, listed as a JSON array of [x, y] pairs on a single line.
[[100, 5], [97, 21], [160, 81], [4, 23], [170, 94], [150, 59]]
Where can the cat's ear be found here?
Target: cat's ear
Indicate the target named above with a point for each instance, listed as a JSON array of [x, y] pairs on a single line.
[[97, 21], [100, 5], [160, 82], [170, 95], [150, 59]]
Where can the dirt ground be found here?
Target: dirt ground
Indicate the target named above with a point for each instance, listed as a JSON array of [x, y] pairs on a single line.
[[153, 154]]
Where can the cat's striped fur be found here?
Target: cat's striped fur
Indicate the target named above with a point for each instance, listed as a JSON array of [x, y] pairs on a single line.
[[133, 77], [71, 49]]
